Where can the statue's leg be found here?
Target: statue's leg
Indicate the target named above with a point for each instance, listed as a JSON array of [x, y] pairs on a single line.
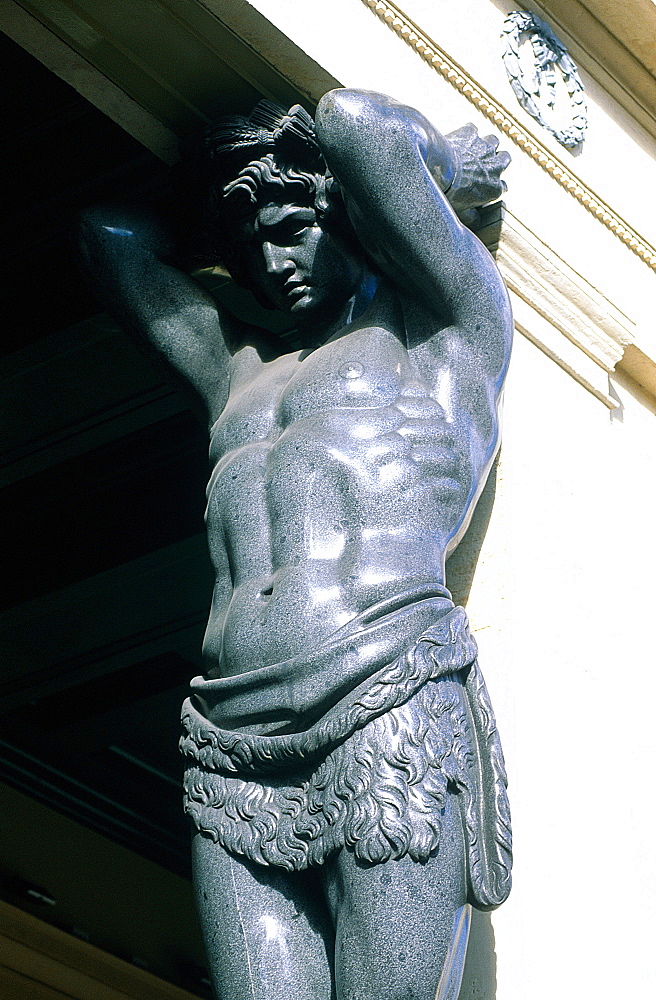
[[395, 921], [268, 934]]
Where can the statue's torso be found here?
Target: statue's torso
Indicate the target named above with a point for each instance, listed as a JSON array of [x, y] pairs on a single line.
[[335, 485]]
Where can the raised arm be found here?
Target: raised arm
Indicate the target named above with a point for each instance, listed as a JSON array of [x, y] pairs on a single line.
[[398, 175], [126, 255]]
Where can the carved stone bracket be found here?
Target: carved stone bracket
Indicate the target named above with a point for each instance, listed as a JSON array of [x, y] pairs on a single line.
[[560, 312]]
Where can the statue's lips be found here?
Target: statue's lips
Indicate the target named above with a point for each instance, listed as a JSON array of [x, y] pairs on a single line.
[[296, 291], [297, 297]]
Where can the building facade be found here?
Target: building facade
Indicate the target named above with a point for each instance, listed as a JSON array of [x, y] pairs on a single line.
[[104, 617]]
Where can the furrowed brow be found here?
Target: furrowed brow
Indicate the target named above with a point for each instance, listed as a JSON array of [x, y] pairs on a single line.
[[275, 214]]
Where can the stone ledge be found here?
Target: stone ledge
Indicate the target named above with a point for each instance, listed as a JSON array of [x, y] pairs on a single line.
[[562, 313], [40, 961], [640, 367]]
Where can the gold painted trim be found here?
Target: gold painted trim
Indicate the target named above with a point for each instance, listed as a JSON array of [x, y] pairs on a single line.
[[458, 77]]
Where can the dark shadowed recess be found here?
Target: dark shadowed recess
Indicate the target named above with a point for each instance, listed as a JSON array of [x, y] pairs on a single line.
[[103, 476]]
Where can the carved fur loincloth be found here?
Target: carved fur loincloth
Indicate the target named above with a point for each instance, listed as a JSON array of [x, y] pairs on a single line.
[[372, 773]]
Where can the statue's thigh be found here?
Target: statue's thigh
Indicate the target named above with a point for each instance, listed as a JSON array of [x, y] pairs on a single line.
[[394, 921], [268, 934]]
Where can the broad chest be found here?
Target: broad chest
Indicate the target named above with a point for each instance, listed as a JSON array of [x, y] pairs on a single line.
[[365, 369]]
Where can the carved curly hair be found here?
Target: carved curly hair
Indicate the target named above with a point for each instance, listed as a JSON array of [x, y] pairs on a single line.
[[239, 161]]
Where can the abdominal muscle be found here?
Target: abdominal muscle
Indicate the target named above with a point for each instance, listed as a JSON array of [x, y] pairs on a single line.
[[340, 512]]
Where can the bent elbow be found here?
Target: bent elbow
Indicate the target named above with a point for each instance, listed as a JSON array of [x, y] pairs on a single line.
[[359, 128], [337, 117], [344, 115], [340, 102]]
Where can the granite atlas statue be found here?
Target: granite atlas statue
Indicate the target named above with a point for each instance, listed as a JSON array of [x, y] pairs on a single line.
[[344, 773]]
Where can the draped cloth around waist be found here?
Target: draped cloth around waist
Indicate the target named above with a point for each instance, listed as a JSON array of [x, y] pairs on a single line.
[[387, 717]]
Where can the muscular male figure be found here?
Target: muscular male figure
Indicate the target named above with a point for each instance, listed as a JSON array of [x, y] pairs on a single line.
[[345, 777]]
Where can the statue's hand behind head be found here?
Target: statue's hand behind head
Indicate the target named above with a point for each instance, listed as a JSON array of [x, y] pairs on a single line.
[[478, 176]]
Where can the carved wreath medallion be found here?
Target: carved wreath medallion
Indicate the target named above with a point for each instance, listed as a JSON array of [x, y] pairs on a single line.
[[544, 77]]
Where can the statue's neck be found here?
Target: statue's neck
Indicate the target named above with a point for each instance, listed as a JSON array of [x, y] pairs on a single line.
[[318, 333]]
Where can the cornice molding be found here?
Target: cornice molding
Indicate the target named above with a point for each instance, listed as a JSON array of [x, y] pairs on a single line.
[[581, 313], [560, 312], [458, 77], [615, 43]]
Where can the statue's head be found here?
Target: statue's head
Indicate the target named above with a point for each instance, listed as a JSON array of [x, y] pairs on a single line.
[[274, 215]]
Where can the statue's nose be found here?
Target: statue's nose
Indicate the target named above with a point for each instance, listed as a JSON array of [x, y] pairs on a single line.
[[276, 259]]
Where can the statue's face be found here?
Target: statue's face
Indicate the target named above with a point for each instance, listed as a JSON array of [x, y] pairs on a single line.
[[291, 262]]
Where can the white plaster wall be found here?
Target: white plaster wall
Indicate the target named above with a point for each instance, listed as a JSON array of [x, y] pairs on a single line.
[[562, 606]]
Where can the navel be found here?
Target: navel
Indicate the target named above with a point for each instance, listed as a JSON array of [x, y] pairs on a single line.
[[352, 370]]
